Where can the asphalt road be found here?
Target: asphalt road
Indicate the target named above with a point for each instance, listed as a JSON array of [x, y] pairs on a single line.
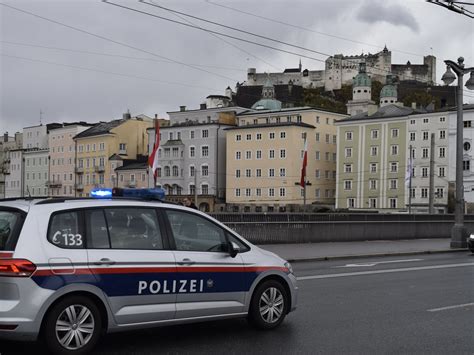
[[394, 305]]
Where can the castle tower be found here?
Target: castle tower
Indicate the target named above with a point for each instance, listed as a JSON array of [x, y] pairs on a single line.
[[361, 92], [388, 94], [268, 90]]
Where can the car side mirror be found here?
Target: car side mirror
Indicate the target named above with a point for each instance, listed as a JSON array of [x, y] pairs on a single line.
[[234, 249]]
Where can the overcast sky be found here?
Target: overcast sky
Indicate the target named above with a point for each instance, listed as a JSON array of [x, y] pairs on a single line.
[[68, 84]]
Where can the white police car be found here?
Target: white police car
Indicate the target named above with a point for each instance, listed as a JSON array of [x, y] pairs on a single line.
[[72, 269]]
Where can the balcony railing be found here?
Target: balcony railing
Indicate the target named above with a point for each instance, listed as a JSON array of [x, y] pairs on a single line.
[[79, 187], [79, 170], [99, 168]]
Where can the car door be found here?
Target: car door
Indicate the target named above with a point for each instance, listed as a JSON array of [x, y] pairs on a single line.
[[210, 280], [132, 263]]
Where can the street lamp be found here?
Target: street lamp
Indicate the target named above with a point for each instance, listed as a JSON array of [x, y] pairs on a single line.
[[458, 232]]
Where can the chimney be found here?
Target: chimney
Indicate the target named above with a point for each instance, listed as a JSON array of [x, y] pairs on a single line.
[[203, 106], [5, 137], [127, 115], [413, 105], [182, 108], [156, 116]]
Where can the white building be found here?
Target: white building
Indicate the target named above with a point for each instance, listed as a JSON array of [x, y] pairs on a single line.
[[468, 149], [36, 172], [14, 180]]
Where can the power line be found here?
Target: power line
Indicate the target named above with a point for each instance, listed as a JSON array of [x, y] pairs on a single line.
[[211, 31], [114, 55], [103, 71], [115, 42], [225, 41], [304, 28]]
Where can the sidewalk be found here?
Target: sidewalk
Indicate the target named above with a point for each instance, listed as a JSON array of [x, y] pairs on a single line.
[[342, 250]]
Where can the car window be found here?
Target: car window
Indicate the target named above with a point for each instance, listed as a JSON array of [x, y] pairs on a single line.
[[97, 235], [133, 228], [195, 233], [64, 230], [9, 222]]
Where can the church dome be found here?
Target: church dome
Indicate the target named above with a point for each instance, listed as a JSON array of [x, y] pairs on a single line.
[[389, 90], [267, 104], [361, 79]]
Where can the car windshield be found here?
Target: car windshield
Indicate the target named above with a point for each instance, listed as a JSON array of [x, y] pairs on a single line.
[[9, 224]]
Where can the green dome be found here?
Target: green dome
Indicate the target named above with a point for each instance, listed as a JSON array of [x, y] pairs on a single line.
[[361, 79], [388, 91], [267, 104]]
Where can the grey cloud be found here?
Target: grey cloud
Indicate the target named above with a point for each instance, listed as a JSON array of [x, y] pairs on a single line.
[[395, 14]]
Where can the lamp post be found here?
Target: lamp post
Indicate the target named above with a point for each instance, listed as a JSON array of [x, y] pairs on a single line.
[[458, 232]]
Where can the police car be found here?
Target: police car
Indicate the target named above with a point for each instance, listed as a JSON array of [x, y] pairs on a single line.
[[73, 269]]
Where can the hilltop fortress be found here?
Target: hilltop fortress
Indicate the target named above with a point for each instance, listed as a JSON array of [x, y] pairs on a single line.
[[340, 70]]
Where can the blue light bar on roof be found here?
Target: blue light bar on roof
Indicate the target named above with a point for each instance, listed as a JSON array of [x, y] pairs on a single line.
[[101, 193], [149, 194]]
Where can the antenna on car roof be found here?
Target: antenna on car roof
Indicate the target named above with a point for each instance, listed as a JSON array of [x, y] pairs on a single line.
[[28, 192]]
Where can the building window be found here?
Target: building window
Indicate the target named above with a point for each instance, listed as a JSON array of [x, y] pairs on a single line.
[[282, 192], [272, 135], [204, 151], [466, 165], [442, 134], [328, 137], [259, 136], [205, 133], [373, 167], [238, 155], [412, 136], [347, 184], [192, 152], [327, 156], [424, 192], [271, 154], [248, 173], [426, 120], [238, 137], [204, 189], [373, 151], [317, 137], [248, 137], [258, 192], [467, 124], [348, 168], [271, 192], [374, 133], [191, 134], [282, 172], [395, 133], [442, 152], [373, 184], [318, 155], [237, 173], [467, 146], [192, 171], [282, 135], [394, 149], [237, 192], [348, 136], [248, 154], [393, 167], [334, 139], [393, 203], [282, 153], [424, 172], [205, 170], [442, 119], [248, 192], [351, 203], [167, 171], [348, 152], [425, 153], [393, 184], [175, 170], [271, 172], [425, 135], [258, 172], [372, 202], [439, 192], [413, 193], [441, 171], [318, 174]]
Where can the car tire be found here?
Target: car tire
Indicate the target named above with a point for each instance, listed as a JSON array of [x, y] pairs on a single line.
[[269, 305], [72, 326]]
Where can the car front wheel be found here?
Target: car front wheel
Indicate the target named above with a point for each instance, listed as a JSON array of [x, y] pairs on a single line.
[[72, 326], [269, 305]]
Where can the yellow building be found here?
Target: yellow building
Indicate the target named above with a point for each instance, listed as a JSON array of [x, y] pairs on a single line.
[[265, 154], [126, 138]]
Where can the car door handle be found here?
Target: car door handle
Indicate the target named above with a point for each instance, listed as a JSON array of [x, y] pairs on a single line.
[[186, 261], [104, 261]]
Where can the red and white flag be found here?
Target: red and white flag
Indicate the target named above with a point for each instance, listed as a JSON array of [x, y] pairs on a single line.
[[153, 158], [305, 163]]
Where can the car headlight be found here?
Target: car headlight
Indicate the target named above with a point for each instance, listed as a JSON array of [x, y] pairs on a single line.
[[288, 266]]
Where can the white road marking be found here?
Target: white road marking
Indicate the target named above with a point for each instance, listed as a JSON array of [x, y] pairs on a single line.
[[360, 273], [450, 307], [380, 262]]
